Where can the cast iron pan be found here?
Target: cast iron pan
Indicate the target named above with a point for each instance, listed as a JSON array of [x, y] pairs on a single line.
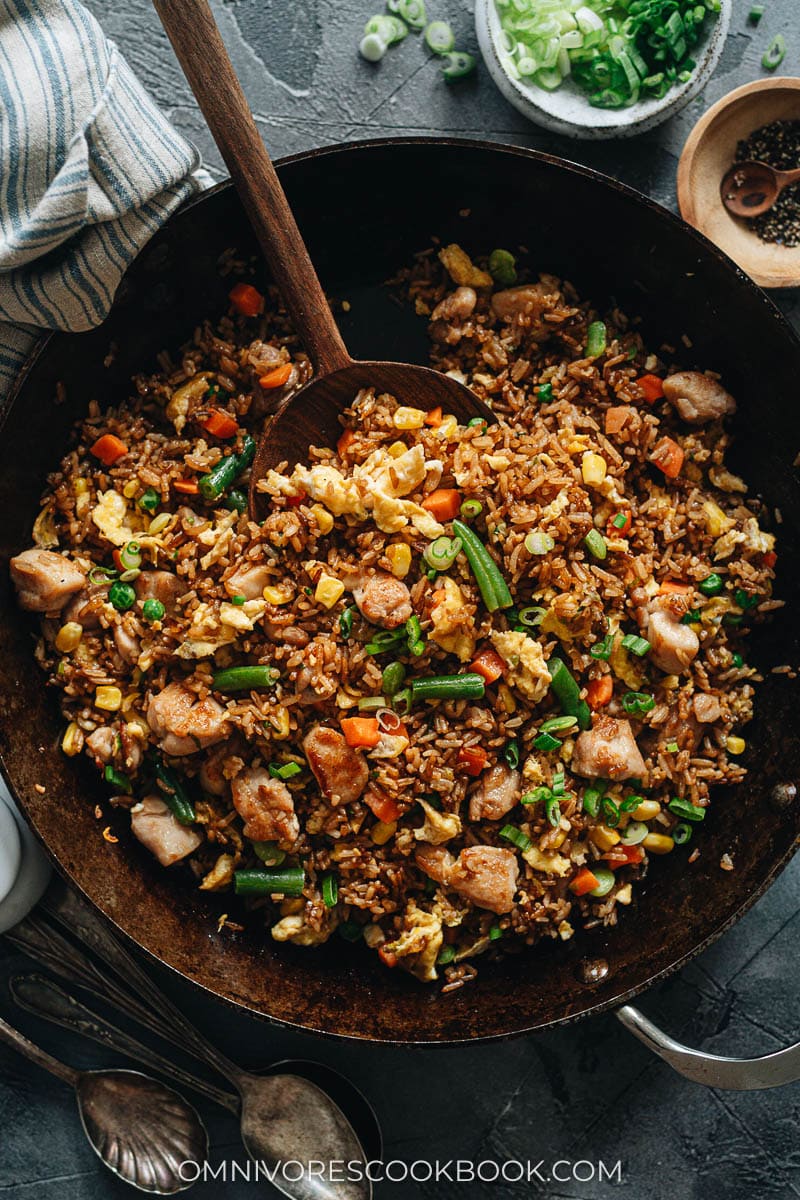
[[364, 211]]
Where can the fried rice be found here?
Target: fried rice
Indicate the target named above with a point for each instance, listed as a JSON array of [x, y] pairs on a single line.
[[464, 680]]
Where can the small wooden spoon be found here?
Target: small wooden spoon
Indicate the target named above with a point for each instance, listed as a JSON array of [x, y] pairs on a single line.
[[750, 188], [311, 415]]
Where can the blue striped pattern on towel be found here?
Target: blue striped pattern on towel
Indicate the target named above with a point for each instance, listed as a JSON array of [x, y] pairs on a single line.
[[89, 170]]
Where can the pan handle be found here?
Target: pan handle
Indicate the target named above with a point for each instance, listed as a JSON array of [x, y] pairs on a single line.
[[714, 1070]]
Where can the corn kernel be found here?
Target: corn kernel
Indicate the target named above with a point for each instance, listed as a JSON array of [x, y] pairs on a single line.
[[658, 843], [603, 837], [108, 698], [671, 682], [72, 741], [130, 489], [397, 448], [159, 523], [381, 832], [399, 556], [408, 418], [735, 745], [507, 698], [558, 840], [593, 468], [448, 428], [646, 810], [329, 589], [624, 895], [290, 907], [129, 702], [80, 486], [281, 723], [323, 518], [715, 520], [276, 596], [68, 637]]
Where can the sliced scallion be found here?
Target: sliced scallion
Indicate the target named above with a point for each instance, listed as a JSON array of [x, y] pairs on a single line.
[[457, 64], [439, 37], [516, 837], [637, 645]]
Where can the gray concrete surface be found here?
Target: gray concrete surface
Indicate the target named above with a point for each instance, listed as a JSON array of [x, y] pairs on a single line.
[[588, 1094]]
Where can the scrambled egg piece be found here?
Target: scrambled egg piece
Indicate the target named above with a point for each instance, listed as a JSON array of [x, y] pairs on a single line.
[[294, 929], [419, 943], [462, 269], [438, 827], [44, 529], [220, 875], [452, 627], [621, 662], [205, 634], [182, 399], [750, 537], [242, 617], [390, 745], [726, 481], [528, 670], [547, 863], [110, 515]]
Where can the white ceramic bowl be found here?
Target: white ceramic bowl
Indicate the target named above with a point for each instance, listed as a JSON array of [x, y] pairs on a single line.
[[568, 111]]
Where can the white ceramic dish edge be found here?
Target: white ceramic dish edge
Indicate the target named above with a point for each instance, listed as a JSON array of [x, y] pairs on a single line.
[[566, 111]]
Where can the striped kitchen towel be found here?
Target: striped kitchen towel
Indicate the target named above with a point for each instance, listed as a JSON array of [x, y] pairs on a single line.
[[89, 170]]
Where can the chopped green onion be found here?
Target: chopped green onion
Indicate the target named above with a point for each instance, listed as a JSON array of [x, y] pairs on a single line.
[[235, 501], [393, 677], [503, 267], [117, 779], [552, 810], [371, 703], [244, 679], [546, 741], [130, 556], [682, 833], [610, 811], [755, 14], [383, 26], [603, 649], [568, 693], [386, 639], [448, 687], [686, 810], [737, 660], [495, 932], [416, 642], [174, 794], [634, 833], [372, 47], [711, 585], [775, 53], [475, 421], [558, 724], [284, 770], [605, 881], [544, 392], [350, 930], [346, 623], [238, 600], [403, 700], [638, 703], [470, 509], [269, 853], [537, 796], [595, 543], [153, 610], [595, 339], [149, 500], [412, 12], [100, 575], [457, 64], [286, 881], [557, 784], [539, 543], [491, 584], [511, 754], [619, 521], [442, 552], [439, 37], [516, 836], [630, 804], [330, 890], [671, 747], [445, 956], [533, 615], [637, 645], [691, 618], [592, 798], [121, 596]]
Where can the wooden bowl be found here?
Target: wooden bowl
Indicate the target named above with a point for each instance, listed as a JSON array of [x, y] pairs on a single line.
[[710, 150]]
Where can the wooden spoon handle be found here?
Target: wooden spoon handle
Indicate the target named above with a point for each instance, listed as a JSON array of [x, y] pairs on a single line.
[[787, 178], [198, 45]]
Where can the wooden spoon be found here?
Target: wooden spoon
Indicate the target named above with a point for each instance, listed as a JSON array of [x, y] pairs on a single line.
[[311, 415], [751, 188]]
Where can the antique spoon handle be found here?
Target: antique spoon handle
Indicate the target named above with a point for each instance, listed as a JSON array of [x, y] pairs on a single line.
[[13, 1037], [47, 1000], [201, 52]]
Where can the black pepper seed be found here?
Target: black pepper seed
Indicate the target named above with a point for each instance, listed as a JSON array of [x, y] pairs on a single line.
[[778, 145]]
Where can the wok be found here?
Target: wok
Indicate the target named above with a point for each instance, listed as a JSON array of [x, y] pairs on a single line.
[[364, 210]]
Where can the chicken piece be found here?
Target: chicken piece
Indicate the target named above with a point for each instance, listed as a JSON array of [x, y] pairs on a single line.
[[607, 751], [341, 772], [212, 777], [293, 928], [182, 723], [706, 708], [417, 946], [85, 607], [456, 307], [527, 671], [160, 585], [44, 580], [525, 305], [266, 807], [495, 793], [127, 643], [673, 646], [249, 581], [438, 827], [484, 875], [698, 398], [156, 828], [382, 599], [103, 743]]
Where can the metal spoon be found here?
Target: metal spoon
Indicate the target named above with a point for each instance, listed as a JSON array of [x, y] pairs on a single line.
[[751, 188], [137, 1126], [311, 415]]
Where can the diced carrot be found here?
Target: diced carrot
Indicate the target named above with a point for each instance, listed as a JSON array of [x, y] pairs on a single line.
[[387, 957], [652, 387], [619, 530], [116, 558], [473, 759], [769, 559], [277, 377], [434, 417], [188, 487], [108, 449], [443, 504], [668, 457], [220, 424], [623, 856], [382, 806], [616, 418], [246, 299], [296, 500], [345, 442], [361, 731], [584, 882], [600, 691], [488, 663], [674, 587]]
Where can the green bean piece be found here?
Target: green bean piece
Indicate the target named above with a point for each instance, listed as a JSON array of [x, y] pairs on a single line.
[[448, 687], [492, 585], [236, 501], [503, 267], [269, 853], [117, 779], [227, 471], [393, 678], [243, 679], [592, 799], [595, 339], [568, 693], [285, 881], [174, 794]]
